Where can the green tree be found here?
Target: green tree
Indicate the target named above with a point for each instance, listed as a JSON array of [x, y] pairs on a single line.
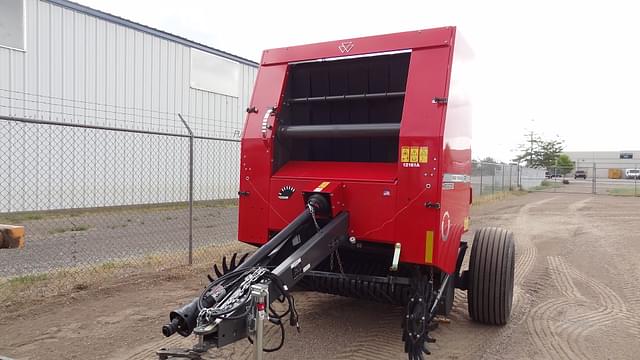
[[537, 152], [564, 164]]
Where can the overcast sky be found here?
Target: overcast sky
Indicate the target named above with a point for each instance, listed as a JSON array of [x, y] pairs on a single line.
[[560, 68]]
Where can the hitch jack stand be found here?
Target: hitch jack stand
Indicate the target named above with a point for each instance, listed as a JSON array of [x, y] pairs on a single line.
[[260, 296]]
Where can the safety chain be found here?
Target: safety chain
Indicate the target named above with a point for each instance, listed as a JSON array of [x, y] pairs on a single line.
[[208, 315], [312, 211]]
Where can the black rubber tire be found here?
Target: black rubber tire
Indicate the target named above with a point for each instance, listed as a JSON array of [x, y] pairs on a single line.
[[491, 272]]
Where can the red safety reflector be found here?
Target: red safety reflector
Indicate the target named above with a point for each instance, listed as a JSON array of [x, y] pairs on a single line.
[[260, 306]]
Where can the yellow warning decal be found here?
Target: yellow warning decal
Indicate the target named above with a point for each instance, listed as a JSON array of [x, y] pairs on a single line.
[[322, 185], [424, 154], [414, 154], [428, 247], [404, 157], [466, 223]]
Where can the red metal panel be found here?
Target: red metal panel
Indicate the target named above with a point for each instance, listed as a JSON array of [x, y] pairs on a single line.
[[255, 169], [370, 205], [456, 161], [358, 46], [422, 123], [345, 171]]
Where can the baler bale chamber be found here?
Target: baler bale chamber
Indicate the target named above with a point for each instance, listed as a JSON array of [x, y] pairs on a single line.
[[355, 180]]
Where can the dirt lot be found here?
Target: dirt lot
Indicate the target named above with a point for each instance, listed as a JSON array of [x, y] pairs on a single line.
[[577, 296]]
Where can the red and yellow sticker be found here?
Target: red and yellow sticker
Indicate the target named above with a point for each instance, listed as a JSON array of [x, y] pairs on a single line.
[[322, 185]]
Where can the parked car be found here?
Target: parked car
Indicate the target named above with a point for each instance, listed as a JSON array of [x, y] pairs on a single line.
[[580, 174], [552, 174], [632, 173]]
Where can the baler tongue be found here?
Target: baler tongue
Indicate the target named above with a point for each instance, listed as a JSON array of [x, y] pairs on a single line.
[[229, 308]]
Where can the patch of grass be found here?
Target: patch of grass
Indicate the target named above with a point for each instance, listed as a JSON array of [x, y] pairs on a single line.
[[20, 217], [625, 191], [546, 184], [62, 230], [497, 196], [26, 280]]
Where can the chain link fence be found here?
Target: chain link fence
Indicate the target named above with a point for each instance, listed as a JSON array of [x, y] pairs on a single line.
[[103, 189], [491, 178], [621, 178]]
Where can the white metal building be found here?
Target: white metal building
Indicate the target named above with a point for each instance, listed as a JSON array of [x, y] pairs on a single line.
[[58, 49], [62, 61], [602, 161]]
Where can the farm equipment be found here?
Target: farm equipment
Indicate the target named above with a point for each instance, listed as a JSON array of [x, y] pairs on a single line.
[[355, 180]]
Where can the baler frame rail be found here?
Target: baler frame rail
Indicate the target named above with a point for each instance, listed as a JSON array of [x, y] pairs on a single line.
[[366, 96]]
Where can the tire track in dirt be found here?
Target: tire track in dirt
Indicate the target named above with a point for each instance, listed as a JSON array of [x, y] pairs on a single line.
[[539, 324], [610, 309], [560, 275], [376, 343], [567, 337], [543, 318], [589, 219]]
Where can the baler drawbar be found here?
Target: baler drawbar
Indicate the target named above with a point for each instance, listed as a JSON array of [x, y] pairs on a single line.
[[355, 181]]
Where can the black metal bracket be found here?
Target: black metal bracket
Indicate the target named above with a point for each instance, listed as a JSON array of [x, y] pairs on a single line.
[[440, 100], [165, 354], [461, 280], [432, 205], [313, 251]]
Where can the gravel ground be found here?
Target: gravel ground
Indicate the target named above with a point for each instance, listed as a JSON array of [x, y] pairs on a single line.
[[576, 297]]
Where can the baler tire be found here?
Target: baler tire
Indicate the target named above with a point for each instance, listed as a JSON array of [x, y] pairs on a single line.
[[491, 275]]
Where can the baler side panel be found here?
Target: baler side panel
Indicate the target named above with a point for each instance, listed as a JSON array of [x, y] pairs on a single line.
[[456, 158], [255, 169], [416, 226]]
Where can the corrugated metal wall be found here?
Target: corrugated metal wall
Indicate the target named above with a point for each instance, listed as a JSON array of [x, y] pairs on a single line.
[[82, 69]]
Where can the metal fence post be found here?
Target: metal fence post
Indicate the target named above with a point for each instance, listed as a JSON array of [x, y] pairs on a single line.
[[493, 178], [518, 177], [190, 188], [480, 177], [593, 179], [510, 181], [502, 187]]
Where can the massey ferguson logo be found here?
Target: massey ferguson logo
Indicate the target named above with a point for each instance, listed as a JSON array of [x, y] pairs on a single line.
[[345, 47]]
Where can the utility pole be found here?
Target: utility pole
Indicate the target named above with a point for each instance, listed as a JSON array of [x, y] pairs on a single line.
[[531, 148]]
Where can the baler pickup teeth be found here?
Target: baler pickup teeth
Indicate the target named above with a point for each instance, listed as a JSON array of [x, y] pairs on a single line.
[[228, 266]]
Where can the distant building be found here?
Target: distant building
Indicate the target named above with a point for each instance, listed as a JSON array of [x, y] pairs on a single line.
[[604, 161]]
